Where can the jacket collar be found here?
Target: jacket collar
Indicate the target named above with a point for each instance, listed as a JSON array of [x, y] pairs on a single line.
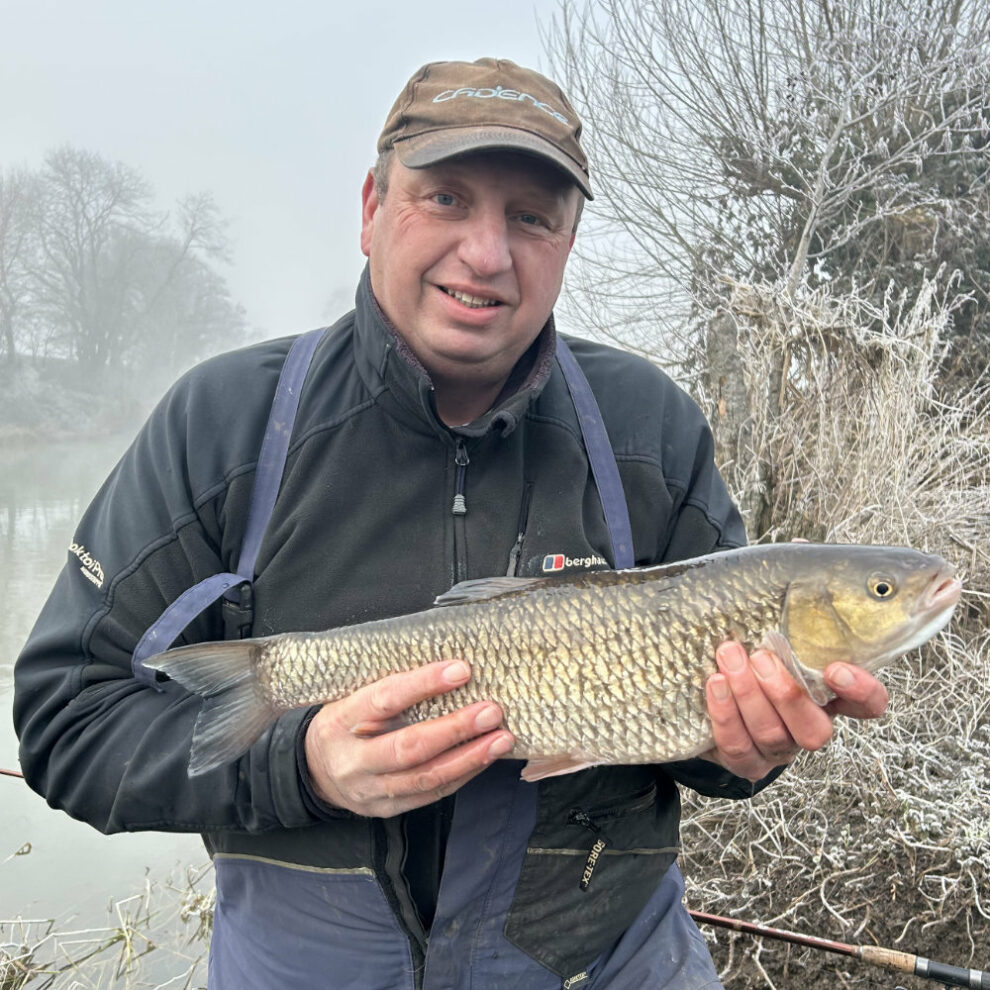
[[395, 375]]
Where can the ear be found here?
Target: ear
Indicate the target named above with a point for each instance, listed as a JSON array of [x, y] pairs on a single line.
[[369, 207]]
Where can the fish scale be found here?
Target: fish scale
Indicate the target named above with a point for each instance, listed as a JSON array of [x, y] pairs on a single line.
[[601, 667]]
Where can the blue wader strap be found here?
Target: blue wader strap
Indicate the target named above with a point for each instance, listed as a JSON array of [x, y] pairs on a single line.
[[601, 457], [267, 480]]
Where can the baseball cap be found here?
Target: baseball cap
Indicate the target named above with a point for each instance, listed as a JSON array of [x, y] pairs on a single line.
[[452, 108]]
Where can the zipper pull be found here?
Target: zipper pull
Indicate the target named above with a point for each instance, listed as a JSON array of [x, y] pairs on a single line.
[[579, 817], [523, 520], [462, 460]]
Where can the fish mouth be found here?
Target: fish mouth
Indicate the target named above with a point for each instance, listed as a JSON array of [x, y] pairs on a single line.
[[942, 593]]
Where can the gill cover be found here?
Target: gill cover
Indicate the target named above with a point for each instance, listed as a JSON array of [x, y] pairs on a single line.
[[814, 635]]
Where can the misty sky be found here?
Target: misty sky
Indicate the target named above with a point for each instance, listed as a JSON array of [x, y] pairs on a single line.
[[274, 108]]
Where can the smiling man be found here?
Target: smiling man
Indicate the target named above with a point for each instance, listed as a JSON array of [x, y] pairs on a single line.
[[467, 256], [429, 437]]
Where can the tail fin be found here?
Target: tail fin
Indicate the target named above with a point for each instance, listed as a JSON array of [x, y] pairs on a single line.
[[235, 712]]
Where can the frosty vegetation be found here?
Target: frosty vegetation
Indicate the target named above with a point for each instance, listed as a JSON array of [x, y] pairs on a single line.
[[791, 216]]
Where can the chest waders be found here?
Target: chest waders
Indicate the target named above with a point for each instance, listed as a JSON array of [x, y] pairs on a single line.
[[494, 814]]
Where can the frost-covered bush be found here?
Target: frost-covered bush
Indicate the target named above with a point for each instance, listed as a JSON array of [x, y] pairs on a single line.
[[884, 836]]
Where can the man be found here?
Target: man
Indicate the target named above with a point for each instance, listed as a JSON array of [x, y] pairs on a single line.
[[435, 441]]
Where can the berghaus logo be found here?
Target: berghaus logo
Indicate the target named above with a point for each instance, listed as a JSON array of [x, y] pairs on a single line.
[[557, 562]]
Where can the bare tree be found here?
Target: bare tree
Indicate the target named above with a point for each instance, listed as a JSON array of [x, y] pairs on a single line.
[[18, 242], [90, 214], [795, 141], [101, 280]]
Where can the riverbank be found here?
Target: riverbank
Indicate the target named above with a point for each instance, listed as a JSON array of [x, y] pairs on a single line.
[[48, 402]]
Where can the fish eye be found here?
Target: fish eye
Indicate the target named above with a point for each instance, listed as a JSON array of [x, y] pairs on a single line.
[[881, 586]]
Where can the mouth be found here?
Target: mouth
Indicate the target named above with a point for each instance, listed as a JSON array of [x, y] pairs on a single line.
[[469, 300], [942, 593]]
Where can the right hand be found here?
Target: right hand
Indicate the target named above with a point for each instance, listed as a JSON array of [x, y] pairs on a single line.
[[358, 762]]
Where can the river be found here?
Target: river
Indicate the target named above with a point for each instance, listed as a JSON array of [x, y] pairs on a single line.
[[52, 867]]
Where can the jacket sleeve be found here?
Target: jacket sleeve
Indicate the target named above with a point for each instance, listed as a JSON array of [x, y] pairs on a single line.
[[94, 741]]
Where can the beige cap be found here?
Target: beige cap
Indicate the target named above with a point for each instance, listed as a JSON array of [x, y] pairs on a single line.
[[451, 108]]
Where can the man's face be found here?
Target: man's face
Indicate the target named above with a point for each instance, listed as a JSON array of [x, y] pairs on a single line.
[[467, 258]]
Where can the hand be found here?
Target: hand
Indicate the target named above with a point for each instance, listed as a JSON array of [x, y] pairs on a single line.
[[359, 762], [761, 718]]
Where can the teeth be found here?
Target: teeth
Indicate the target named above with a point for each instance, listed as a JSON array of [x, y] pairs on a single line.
[[475, 302]]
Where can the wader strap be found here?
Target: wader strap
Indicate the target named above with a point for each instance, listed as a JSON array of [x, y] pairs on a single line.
[[275, 448], [267, 480], [600, 456]]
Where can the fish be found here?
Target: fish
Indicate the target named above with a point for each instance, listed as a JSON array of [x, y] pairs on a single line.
[[600, 667]]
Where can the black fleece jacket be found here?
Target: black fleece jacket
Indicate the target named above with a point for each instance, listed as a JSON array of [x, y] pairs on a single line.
[[363, 528]]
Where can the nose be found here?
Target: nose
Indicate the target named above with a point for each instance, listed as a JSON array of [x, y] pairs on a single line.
[[484, 245]]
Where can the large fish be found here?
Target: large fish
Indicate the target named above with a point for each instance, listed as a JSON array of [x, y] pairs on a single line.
[[601, 667]]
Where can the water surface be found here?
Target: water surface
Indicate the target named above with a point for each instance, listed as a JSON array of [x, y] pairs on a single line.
[[71, 871]]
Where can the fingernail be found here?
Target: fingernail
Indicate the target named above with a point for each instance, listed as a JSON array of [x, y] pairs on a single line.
[[764, 665], [720, 688], [500, 747], [733, 657], [456, 671], [841, 676], [487, 719]]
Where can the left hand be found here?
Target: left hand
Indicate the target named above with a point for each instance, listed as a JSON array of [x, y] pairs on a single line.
[[761, 718]]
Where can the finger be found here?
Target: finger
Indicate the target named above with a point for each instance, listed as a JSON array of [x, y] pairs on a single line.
[[860, 694], [443, 775], [805, 721], [416, 745], [386, 698], [734, 747], [769, 732]]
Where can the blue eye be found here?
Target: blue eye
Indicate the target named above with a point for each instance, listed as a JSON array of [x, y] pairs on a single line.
[[529, 218], [444, 199]]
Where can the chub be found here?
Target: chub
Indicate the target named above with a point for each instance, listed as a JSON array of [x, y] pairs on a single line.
[[602, 667]]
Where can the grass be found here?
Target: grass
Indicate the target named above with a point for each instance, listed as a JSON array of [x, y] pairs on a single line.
[[156, 938]]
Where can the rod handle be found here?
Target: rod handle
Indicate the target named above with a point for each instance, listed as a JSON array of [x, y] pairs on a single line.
[[877, 955]]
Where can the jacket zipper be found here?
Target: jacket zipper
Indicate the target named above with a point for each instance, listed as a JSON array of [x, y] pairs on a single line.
[[459, 510], [513, 569], [390, 853]]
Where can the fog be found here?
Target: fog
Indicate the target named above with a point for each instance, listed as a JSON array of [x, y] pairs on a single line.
[[275, 109], [276, 115]]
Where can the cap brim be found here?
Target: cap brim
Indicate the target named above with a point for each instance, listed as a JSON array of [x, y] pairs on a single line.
[[428, 149]]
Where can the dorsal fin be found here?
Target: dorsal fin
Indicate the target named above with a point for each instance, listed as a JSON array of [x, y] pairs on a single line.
[[485, 589]]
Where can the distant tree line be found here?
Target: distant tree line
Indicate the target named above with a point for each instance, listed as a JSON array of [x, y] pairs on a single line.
[[93, 275]]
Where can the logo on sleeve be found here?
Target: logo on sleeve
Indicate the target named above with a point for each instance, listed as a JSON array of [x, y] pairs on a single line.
[[90, 568]]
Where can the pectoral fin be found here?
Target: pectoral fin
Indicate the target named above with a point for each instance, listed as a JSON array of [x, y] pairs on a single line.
[[811, 680]]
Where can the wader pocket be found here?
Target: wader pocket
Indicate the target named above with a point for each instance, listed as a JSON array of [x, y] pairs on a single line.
[[603, 840]]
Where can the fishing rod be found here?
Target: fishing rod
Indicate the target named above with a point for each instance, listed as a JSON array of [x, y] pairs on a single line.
[[875, 955]]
